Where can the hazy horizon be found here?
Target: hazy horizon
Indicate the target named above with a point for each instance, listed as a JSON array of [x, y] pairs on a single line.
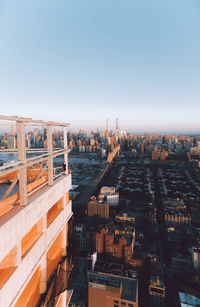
[[7, 129]]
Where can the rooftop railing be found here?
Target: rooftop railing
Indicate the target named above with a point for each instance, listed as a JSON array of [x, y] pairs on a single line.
[[20, 171]]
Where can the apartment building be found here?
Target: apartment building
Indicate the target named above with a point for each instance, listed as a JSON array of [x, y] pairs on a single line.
[[115, 242], [100, 209], [157, 292], [111, 290]]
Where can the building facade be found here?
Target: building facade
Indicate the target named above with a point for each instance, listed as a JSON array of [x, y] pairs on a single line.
[[157, 292], [98, 209], [111, 290], [34, 226], [196, 257], [115, 244]]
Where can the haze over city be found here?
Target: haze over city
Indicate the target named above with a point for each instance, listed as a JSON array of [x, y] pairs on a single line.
[[99, 153], [86, 61]]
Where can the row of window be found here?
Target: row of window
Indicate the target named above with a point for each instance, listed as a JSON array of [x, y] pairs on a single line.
[[116, 304]]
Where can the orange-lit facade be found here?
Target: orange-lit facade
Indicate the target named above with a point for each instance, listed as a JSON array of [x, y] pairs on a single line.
[[115, 244], [98, 209], [111, 290], [34, 230]]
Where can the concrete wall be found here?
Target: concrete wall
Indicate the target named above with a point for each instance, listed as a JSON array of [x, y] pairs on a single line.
[[14, 227]]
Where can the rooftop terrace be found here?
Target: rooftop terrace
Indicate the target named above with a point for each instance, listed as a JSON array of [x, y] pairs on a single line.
[[27, 176]]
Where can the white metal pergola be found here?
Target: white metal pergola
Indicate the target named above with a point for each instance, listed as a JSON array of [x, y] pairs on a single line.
[[48, 154]]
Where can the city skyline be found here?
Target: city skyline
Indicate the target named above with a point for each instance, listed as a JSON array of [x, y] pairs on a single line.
[[130, 218], [135, 60], [187, 132]]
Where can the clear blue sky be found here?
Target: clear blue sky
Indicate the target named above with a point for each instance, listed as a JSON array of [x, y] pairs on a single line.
[[84, 61]]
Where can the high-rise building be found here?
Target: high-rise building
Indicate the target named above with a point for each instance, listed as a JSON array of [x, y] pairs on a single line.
[[81, 237], [196, 257], [157, 292], [155, 155], [11, 143], [142, 147], [163, 155], [100, 209], [107, 129], [109, 195], [36, 228], [111, 290], [117, 128], [12, 130]]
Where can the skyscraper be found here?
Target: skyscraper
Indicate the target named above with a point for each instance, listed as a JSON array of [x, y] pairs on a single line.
[[117, 128], [107, 128], [157, 292]]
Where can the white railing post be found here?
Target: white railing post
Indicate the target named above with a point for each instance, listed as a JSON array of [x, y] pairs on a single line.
[[50, 152], [22, 157], [65, 147]]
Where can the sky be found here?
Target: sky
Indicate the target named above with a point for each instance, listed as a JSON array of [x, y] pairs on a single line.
[[84, 61]]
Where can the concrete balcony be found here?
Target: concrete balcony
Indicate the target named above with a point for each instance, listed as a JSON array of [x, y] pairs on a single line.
[[57, 224], [16, 224], [20, 276]]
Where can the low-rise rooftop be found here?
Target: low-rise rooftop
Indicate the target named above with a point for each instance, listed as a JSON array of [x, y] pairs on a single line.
[[188, 300], [129, 286]]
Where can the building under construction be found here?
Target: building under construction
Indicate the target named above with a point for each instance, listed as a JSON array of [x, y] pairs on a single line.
[[37, 259]]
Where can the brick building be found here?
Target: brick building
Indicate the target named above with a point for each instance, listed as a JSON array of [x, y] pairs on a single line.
[[100, 209], [115, 242]]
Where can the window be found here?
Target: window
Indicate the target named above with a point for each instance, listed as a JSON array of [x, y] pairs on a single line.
[[156, 290], [116, 301], [130, 305], [123, 303], [115, 305]]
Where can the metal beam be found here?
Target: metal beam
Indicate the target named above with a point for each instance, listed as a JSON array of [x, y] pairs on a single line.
[[41, 173], [11, 187]]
